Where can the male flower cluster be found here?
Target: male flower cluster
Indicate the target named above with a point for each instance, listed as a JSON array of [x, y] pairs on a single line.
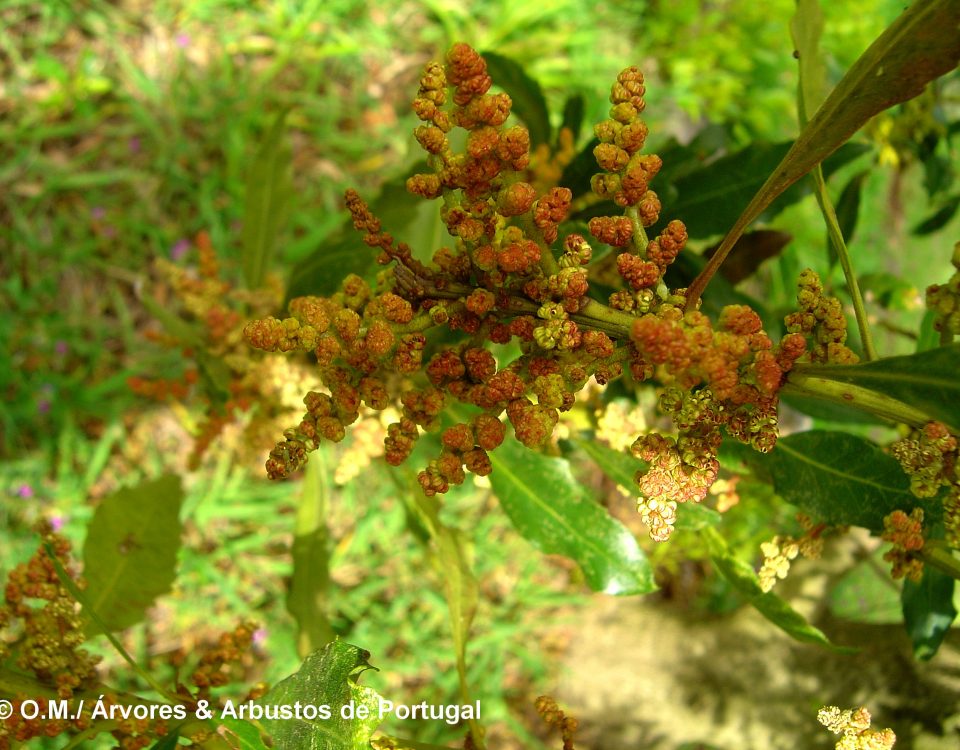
[[509, 273]]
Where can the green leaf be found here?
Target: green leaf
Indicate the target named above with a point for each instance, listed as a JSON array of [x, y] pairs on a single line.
[[866, 593], [242, 735], [310, 582], [267, 202], [806, 27], [939, 218], [922, 44], [848, 206], [326, 678], [622, 467], [928, 610], [743, 578], [549, 508], [529, 103], [130, 553], [838, 478], [170, 741], [926, 381], [576, 175]]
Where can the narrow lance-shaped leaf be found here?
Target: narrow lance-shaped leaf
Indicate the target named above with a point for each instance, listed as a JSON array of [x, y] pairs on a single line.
[[267, 202], [130, 553], [743, 578], [922, 44], [529, 103], [549, 508], [326, 678]]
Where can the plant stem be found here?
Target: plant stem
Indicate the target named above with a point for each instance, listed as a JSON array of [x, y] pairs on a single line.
[[800, 384], [840, 247], [640, 240], [940, 556]]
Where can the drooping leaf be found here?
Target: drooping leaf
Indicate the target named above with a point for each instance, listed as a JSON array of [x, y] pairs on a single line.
[[529, 103], [926, 381], [866, 593], [130, 553], [326, 678], [922, 44], [928, 610], [310, 582], [743, 578], [838, 478], [806, 27], [549, 508], [267, 202], [621, 468]]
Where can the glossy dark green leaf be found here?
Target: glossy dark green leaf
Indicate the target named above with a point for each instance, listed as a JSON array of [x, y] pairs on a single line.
[[926, 381], [743, 578], [548, 508], [268, 201], [529, 103], [939, 218], [709, 199], [621, 467], [326, 678], [919, 46], [928, 610], [310, 582], [573, 111], [866, 593], [170, 741], [130, 553], [838, 478]]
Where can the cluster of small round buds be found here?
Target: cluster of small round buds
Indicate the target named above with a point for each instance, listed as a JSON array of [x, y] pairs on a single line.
[[929, 456], [576, 252], [944, 301], [821, 318], [554, 717], [854, 728], [777, 556], [432, 96], [905, 533], [516, 199], [550, 210], [467, 70], [638, 273], [616, 231]]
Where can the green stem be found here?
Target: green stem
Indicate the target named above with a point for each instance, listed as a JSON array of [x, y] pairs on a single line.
[[414, 745], [840, 247], [940, 556], [800, 384], [640, 240]]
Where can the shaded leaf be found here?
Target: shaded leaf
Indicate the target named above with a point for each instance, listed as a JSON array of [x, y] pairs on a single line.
[[576, 175], [928, 610], [573, 111], [549, 508], [326, 678], [866, 593], [939, 218], [848, 211], [168, 741], [743, 578], [806, 27], [709, 199], [267, 201], [919, 46], [130, 553], [752, 249], [838, 478], [621, 468], [529, 103], [241, 735], [926, 381]]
